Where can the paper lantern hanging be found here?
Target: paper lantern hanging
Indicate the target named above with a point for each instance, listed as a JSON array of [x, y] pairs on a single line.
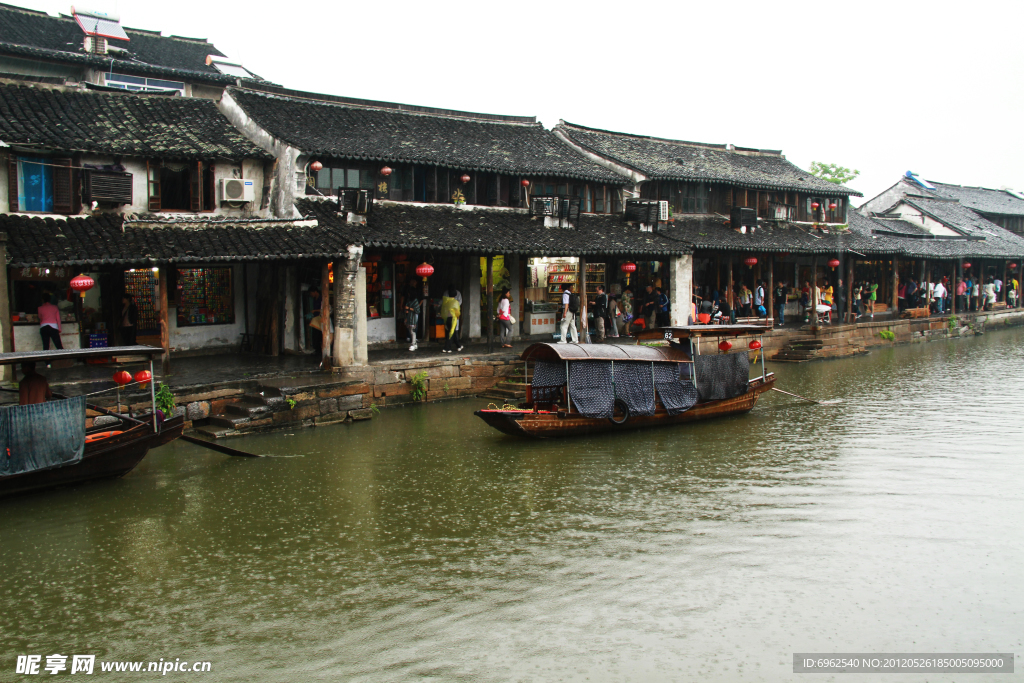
[[814, 206], [833, 263], [82, 283], [143, 377], [386, 171], [316, 167], [724, 345], [832, 206], [524, 182], [754, 345], [628, 268], [750, 261], [967, 265], [1013, 266], [465, 178], [424, 270], [122, 377]]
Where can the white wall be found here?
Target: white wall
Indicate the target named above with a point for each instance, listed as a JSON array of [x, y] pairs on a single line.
[[249, 168], [913, 214], [380, 329]]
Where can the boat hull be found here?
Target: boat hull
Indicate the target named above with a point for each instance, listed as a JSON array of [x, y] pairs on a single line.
[[544, 425], [113, 457]]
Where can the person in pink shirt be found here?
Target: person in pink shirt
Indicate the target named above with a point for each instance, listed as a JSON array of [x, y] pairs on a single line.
[[961, 289], [49, 324]]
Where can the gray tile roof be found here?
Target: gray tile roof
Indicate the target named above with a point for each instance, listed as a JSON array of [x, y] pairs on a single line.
[[662, 159], [982, 199], [418, 227], [36, 34], [334, 127], [108, 239], [985, 239], [157, 126]]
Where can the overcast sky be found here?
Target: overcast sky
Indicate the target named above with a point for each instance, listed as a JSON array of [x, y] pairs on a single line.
[[883, 87]]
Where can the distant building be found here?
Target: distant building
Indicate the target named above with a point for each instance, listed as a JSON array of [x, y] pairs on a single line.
[[93, 48]]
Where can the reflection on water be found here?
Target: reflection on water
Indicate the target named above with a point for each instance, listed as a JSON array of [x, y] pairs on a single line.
[[424, 545]]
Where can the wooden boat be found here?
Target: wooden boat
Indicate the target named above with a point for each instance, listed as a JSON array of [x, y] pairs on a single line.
[[546, 419], [112, 449]]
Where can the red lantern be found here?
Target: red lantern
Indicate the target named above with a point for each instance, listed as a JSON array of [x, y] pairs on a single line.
[[832, 206], [628, 268], [724, 345], [967, 265], [833, 263], [815, 205], [316, 166], [386, 171], [524, 182], [750, 261], [754, 345], [122, 377], [424, 270], [1013, 266], [82, 283], [465, 178], [143, 377]]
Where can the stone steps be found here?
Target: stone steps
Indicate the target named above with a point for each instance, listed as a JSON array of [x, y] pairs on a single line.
[[504, 391]]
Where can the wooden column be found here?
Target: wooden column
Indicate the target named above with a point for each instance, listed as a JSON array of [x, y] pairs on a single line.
[[928, 290], [1002, 294], [581, 284], [325, 315], [849, 291], [728, 285], [770, 294], [958, 274], [165, 330], [981, 286], [490, 303], [895, 287], [275, 316]]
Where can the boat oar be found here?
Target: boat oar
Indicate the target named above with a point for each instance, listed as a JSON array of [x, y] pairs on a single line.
[[217, 447], [803, 398]]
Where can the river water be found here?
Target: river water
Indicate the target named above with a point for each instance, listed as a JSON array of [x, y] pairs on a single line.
[[424, 546]]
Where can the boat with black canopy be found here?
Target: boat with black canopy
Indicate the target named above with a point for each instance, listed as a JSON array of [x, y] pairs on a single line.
[[586, 388], [49, 444]]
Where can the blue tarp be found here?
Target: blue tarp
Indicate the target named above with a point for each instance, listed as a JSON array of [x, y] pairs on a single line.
[[41, 436]]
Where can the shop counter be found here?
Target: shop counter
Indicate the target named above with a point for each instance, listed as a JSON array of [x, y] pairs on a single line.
[[26, 336]]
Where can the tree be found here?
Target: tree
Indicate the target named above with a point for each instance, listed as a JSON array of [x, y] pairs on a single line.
[[833, 173]]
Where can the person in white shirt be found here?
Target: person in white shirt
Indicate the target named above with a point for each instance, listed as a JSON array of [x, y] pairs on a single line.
[[568, 317], [939, 293]]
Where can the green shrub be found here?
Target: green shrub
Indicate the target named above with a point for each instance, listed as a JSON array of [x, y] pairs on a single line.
[[165, 401], [419, 386], [887, 335]]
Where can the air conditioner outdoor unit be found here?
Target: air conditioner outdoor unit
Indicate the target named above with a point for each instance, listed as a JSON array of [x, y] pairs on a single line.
[[237, 190], [662, 211]]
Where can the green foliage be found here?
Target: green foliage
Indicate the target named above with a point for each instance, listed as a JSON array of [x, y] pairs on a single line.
[[291, 403], [165, 400], [419, 386], [887, 335], [833, 173], [953, 322], [374, 409]]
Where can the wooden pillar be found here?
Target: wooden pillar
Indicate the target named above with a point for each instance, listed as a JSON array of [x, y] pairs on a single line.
[[490, 303], [895, 286], [165, 330], [728, 285], [770, 294], [275, 316], [718, 274], [581, 283], [928, 290], [958, 274], [1002, 294], [814, 293], [981, 286], [849, 291], [325, 316]]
